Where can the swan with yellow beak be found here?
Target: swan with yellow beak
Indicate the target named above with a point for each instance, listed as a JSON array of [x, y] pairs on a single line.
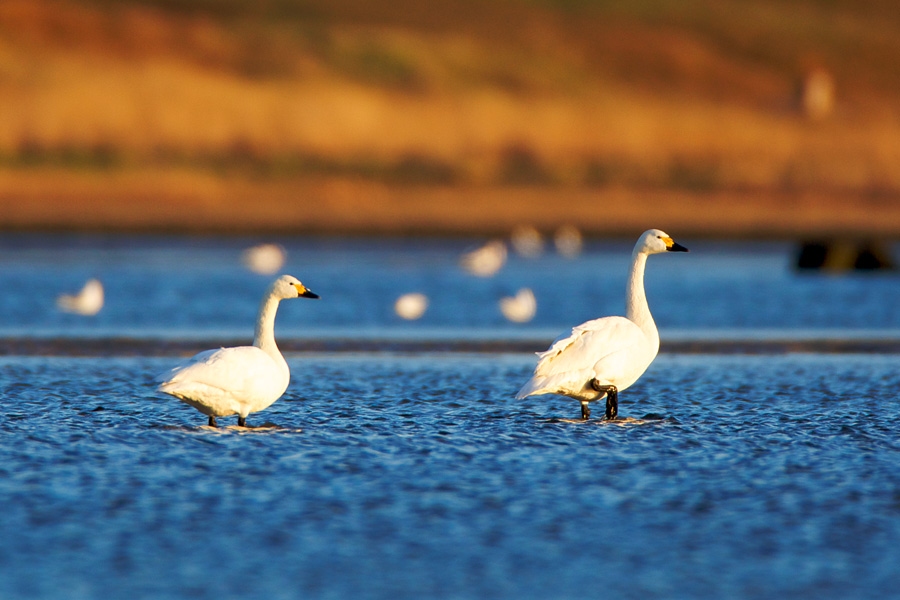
[[240, 380], [602, 357]]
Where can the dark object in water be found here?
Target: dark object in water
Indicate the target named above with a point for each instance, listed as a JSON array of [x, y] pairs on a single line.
[[844, 255], [653, 417]]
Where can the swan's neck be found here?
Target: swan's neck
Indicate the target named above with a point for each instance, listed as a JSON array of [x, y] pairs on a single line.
[[636, 307], [264, 337]]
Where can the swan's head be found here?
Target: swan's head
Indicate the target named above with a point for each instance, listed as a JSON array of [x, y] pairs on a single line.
[[654, 241], [288, 286]]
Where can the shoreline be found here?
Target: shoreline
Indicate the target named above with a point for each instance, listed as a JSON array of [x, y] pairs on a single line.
[[202, 203], [725, 343]]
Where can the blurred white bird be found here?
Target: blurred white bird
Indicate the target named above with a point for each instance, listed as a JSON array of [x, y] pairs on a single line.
[[240, 380], [599, 358], [486, 260], [411, 306], [264, 259], [527, 241], [519, 308], [568, 241], [87, 302]]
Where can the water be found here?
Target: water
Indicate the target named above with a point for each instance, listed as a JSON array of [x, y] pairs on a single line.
[[171, 285], [419, 476], [411, 475]]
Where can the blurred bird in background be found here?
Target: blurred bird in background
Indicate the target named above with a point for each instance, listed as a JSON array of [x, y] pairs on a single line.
[[87, 302]]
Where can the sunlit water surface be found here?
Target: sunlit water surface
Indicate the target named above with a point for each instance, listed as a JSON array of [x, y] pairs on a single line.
[[177, 286], [394, 476], [385, 475]]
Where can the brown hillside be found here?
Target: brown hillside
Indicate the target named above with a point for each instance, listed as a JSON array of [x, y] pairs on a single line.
[[452, 115]]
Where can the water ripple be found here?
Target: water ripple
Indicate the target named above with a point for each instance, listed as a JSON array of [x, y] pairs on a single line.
[[406, 475]]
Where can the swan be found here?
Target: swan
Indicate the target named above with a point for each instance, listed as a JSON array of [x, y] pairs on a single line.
[[568, 241], [519, 308], [411, 306], [486, 260], [527, 241], [86, 302], [238, 380], [601, 357], [264, 259]]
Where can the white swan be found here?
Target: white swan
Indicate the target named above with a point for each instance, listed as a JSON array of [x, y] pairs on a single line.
[[568, 241], [527, 241], [238, 380], [486, 260], [601, 357], [519, 308], [411, 306], [87, 302], [264, 259]]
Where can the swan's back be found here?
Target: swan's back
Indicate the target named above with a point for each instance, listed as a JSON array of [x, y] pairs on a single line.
[[611, 349]]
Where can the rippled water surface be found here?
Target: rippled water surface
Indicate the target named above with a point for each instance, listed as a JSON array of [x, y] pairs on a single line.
[[417, 475], [411, 476]]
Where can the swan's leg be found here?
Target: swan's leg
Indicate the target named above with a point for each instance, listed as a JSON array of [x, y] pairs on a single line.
[[585, 411], [612, 398], [242, 422], [612, 403], [212, 421]]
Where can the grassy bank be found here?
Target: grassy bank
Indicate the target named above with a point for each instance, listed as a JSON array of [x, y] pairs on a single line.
[[490, 110]]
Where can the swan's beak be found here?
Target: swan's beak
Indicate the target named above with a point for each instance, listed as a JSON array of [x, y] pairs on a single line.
[[673, 246], [304, 292]]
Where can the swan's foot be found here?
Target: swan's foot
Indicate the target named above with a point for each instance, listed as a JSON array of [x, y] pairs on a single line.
[[585, 411], [242, 422], [212, 421], [612, 398]]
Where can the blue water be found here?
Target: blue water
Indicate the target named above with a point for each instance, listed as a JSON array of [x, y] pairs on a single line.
[[386, 475], [161, 285], [419, 476]]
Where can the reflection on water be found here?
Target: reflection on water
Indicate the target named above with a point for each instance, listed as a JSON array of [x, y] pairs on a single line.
[[411, 476]]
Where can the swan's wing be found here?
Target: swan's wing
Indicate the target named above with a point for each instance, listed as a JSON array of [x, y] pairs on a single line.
[[593, 347], [242, 372], [587, 344], [200, 357]]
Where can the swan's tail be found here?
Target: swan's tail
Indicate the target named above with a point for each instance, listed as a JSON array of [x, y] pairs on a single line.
[[574, 384], [539, 385], [527, 390]]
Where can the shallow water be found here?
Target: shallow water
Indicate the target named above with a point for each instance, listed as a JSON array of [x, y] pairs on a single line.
[[165, 286], [411, 476], [389, 475]]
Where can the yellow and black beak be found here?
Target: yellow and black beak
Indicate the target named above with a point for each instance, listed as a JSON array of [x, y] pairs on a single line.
[[673, 246], [304, 292]]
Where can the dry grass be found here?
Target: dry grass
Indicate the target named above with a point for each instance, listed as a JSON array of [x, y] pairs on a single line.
[[186, 201], [460, 105]]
